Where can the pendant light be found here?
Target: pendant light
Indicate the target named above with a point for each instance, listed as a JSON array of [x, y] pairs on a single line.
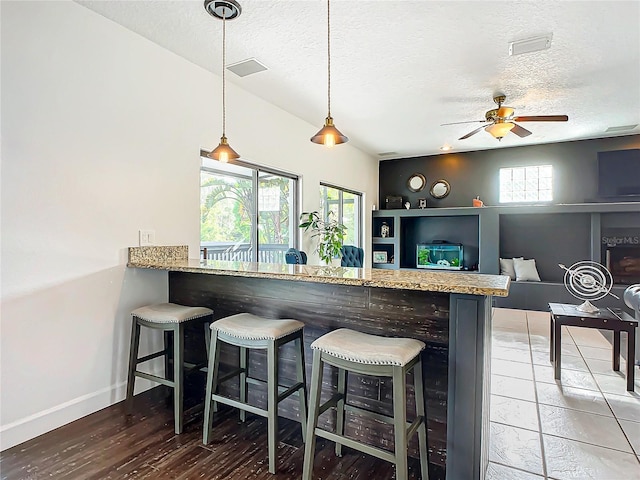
[[224, 10], [329, 135]]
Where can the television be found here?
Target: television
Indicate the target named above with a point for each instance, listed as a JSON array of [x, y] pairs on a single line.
[[440, 256], [619, 173]]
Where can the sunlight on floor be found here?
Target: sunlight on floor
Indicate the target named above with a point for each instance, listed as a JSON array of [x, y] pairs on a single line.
[[584, 426]]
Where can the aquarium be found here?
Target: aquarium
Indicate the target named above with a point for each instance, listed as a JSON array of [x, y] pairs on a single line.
[[442, 256]]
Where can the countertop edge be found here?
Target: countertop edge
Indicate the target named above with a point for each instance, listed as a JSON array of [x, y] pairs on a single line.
[[396, 284]]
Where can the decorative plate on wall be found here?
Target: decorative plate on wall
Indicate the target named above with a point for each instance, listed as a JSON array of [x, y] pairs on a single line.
[[416, 182], [440, 189]]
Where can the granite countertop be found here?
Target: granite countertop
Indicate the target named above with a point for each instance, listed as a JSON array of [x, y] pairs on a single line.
[[159, 258]]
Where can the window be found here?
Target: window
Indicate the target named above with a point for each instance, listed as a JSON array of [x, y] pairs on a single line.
[[526, 184], [346, 206], [247, 213]]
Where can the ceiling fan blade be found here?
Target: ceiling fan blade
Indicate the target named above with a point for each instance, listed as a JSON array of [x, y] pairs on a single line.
[[472, 133], [542, 118], [458, 123], [521, 132]]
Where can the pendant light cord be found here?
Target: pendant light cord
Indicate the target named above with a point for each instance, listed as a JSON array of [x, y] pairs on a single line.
[[328, 60], [224, 61]]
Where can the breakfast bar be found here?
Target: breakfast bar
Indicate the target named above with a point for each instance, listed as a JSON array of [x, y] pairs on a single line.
[[449, 312]]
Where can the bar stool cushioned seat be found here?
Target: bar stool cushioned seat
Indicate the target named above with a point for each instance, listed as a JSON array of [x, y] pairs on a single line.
[[250, 327], [170, 318], [368, 349], [364, 354], [249, 331]]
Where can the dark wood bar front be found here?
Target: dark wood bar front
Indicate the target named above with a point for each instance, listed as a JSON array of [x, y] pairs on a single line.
[[454, 326]]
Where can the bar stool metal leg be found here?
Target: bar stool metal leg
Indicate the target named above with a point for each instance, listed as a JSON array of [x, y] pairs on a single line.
[[272, 398], [178, 375], [314, 411], [340, 407], [133, 363], [207, 341], [207, 337], [244, 385], [212, 386], [400, 422], [168, 356], [301, 376], [421, 412]]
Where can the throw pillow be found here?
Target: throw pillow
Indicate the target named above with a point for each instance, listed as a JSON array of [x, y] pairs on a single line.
[[506, 267], [526, 270]]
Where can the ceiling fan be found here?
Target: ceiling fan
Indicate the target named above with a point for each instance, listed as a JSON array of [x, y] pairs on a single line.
[[501, 121]]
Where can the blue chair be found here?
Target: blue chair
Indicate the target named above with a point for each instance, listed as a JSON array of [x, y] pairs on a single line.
[[352, 256], [295, 257]]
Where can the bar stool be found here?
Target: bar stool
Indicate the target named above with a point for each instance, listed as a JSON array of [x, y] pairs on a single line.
[[364, 354], [171, 319], [249, 331]]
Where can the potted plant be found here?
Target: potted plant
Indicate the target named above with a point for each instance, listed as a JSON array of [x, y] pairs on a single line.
[[329, 232]]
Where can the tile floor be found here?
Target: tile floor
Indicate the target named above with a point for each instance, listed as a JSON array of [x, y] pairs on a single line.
[[584, 426]]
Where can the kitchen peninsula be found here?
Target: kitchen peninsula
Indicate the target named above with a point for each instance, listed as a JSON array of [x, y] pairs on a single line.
[[450, 312]]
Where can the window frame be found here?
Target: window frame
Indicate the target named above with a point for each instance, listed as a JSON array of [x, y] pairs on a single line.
[[524, 191], [255, 180], [358, 211]]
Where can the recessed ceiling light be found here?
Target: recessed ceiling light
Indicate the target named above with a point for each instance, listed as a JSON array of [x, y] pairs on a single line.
[[446, 148], [246, 67], [530, 45], [621, 128]]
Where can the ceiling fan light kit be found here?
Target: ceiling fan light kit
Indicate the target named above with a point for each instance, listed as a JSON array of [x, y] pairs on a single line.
[[223, 10], [499, 129], [501, 121]]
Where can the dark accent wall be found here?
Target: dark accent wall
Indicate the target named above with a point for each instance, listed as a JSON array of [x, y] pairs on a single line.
[[575, 170]]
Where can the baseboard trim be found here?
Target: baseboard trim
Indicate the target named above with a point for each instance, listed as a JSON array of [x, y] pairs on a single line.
[[29, 427]]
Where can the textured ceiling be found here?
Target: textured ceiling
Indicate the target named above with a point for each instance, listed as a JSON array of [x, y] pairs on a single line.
[[399, 69]]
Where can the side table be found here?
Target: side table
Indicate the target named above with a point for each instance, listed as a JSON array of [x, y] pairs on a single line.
[[565, 314]]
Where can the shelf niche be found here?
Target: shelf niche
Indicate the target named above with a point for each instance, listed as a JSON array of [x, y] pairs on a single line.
[[550, 239], [454, 229], [377, 225]]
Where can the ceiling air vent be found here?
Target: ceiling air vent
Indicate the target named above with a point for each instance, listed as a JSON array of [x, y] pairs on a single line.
[[621, 128], [246, 67], [530, 45]]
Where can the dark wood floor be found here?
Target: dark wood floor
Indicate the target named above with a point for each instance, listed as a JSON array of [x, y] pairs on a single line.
[[110, 445]]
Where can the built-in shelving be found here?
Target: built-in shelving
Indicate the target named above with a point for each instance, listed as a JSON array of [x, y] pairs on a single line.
[[455, 225], [551, 234], [388, 245]]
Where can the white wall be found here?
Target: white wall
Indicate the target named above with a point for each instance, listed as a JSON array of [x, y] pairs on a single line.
[[101, 133]]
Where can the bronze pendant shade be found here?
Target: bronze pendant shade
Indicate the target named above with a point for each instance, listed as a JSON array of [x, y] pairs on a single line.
[[223, 152], [224, 10], [329, 135]]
